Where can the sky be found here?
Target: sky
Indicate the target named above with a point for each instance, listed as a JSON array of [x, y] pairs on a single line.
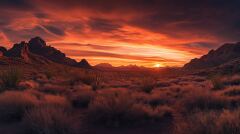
[[122, 32]]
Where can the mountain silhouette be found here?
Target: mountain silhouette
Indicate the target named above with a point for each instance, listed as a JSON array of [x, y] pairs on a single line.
[[38, 46], [83, 64], [224, 54], [36, 50], [19, 51], [3, 50]]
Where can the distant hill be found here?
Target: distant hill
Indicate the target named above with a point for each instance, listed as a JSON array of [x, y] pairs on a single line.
[[36, 50], [224, 54], [103, 65], [83, 64], [109, 67]]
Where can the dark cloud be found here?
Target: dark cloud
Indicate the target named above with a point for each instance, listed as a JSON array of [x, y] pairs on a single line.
[[93, 46], [114, 55], [178, 19], [26, 34], [55, 30], [41, 15], [103, 25], [17, 4], [195, 25], [203, 45]]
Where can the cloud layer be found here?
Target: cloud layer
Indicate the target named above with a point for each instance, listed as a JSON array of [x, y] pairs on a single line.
[[143, 32]]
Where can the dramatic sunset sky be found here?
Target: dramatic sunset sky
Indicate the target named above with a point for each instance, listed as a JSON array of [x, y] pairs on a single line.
[[122, 32]]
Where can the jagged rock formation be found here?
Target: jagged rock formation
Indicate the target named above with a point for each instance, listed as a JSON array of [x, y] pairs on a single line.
[[37, 51], [83, 64], [19, 51], [103, 65], [38, 46], [214, 58], [3, 50]]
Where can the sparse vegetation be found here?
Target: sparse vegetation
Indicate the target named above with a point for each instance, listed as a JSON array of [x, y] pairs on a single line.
[[10, 78], [14, 103], [93, 79], [217, 83], [213, 122], [49, 120], [48, 73], [82, 98], [118, 109], [203, 101], [147, 84], [72, 103]]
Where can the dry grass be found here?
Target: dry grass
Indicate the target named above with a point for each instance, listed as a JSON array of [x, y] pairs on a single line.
[[125, 101], [94, 79], [49, 120], [52, 89], [28, 84], [226, 122], [199, 100], [119, 108], [147, 84], [56, 100], [10, 78], [220, 82], [232, 91], [14, 103], [81, 98]]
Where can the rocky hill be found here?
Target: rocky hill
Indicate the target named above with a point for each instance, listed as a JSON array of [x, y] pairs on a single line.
[[36, 50], [83, 64], [224, 54]]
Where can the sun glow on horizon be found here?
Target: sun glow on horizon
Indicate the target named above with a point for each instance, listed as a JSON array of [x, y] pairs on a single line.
[[158, 65]]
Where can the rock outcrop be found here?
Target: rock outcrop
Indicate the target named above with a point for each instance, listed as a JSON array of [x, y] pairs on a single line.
[[38, 46], [214, 58], [83, 64], [37, 51], [19, 51], [3, 50]]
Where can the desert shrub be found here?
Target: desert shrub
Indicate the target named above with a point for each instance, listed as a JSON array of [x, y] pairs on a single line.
[[160, 113], [81, 98], [29, 84], [222, 81], [49, 73], [217, 83], [14, 103], [93, 79], [49, 120], [147, 84], [119, 109], [231, 80], [74, 79], [55, 100], [52, 89], [156, 98], [232, 91], [226, 122], [198, 123], [10, 78], [204, 101]]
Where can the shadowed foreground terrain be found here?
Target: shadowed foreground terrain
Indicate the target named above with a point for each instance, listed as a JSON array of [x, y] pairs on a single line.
[[44, 92]]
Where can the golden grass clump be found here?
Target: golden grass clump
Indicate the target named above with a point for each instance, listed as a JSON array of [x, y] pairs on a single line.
[[203, 100], [49, 120], [119, 108], [81, 98], [14, 103], [10, 78], [212, 122], [147, 84]]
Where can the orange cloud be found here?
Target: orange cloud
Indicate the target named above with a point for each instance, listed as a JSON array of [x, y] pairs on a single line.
[[122, 32]]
